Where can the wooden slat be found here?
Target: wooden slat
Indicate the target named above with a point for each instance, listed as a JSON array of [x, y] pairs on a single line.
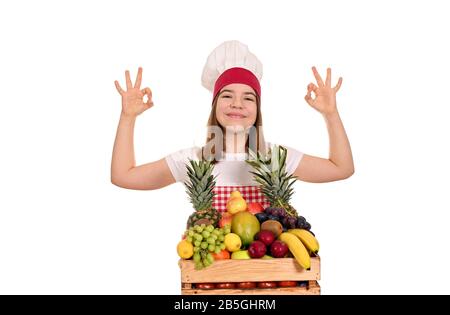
[[312, 289], [186, 286], [229, 270]]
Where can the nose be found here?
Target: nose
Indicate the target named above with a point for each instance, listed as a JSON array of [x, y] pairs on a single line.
[[236, 104]]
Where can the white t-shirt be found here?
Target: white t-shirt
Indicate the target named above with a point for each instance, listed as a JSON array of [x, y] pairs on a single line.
[[232, 170]]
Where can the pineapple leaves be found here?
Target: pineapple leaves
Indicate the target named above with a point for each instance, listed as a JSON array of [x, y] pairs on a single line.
[[270, 173], [201, 183]]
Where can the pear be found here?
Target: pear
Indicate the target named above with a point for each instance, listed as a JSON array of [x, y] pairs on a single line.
[[236, 204]]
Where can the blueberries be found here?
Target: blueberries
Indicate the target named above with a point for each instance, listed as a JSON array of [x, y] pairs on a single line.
[[262, 217], [272, 217]]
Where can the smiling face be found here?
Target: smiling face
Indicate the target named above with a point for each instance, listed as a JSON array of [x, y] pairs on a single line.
[[236, 106]]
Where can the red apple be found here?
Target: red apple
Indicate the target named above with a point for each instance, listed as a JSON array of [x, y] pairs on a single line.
[[267, 237], [226, 219], [257, 249], [254, 207], [279, 249]]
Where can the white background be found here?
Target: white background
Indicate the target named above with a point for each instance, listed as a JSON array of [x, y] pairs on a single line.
[[65, 229]]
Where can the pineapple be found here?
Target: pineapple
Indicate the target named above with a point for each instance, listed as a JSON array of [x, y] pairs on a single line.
[[270, 173], [200, 190]]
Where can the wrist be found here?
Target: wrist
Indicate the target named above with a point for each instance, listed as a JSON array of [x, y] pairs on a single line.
[[127, 117], [331, 115]]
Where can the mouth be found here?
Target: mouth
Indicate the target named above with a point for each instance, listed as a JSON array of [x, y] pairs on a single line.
[[236, 116]]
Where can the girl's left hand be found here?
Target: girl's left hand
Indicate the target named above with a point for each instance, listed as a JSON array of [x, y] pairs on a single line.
[[325, 101]]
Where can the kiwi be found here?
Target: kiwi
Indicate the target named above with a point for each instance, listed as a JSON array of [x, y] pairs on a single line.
[[273, 226]]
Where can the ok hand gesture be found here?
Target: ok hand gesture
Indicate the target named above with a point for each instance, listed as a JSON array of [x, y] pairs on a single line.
[[325, 101], [133, 98]]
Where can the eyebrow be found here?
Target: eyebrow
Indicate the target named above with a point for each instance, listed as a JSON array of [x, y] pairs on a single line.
[[251, 93]]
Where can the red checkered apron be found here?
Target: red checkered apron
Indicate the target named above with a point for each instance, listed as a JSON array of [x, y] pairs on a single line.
[[250, 194]]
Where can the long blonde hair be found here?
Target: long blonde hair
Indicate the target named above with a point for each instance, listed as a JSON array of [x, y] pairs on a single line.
[[209, 153]]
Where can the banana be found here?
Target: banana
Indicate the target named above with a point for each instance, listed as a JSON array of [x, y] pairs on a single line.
[[307, 239], [297, 249]]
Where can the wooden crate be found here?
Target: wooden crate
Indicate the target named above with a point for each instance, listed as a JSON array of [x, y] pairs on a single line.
[[252, 270]]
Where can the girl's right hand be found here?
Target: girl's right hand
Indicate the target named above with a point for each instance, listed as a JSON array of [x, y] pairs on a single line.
[[133, 98]]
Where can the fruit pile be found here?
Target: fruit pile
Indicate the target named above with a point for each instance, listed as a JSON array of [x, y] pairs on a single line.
[[241, 235], [246, 230]]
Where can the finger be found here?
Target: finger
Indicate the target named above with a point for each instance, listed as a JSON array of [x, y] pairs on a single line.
[[328, 79], [149, 104], [148, 92], [338, 85], [127, 77], [119, 89], [308, 97], [317, 76], [313, 87], [137, 85]]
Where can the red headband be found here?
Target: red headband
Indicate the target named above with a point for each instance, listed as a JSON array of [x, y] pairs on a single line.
[[237, 75]]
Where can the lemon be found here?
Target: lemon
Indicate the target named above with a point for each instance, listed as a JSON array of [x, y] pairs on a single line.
[[185, 249], [232, 242]]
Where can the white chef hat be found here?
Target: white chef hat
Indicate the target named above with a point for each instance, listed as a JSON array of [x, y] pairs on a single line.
[[231, 62]]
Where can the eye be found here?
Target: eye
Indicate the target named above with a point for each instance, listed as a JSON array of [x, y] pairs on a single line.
[[225, 96], [250, 99]]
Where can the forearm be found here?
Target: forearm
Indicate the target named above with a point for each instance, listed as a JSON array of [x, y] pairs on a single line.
[[123, 152], [340, 150]]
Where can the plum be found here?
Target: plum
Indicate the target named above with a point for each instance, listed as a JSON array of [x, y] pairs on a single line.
[[257, 249], [267, 237], [279, 249]]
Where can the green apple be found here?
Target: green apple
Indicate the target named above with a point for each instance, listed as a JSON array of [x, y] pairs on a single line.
[[240, 254]]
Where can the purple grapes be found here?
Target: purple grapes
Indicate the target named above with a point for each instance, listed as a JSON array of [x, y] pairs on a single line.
[[274, 211], [308, 226], [291, 222], [288, 222]]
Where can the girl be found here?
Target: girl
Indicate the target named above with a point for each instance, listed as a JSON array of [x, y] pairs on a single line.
[[232, 73]]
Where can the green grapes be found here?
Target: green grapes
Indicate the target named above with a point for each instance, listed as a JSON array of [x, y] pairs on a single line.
[[207, 241]]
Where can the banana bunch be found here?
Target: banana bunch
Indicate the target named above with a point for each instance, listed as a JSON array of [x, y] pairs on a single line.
[[299, 243]]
